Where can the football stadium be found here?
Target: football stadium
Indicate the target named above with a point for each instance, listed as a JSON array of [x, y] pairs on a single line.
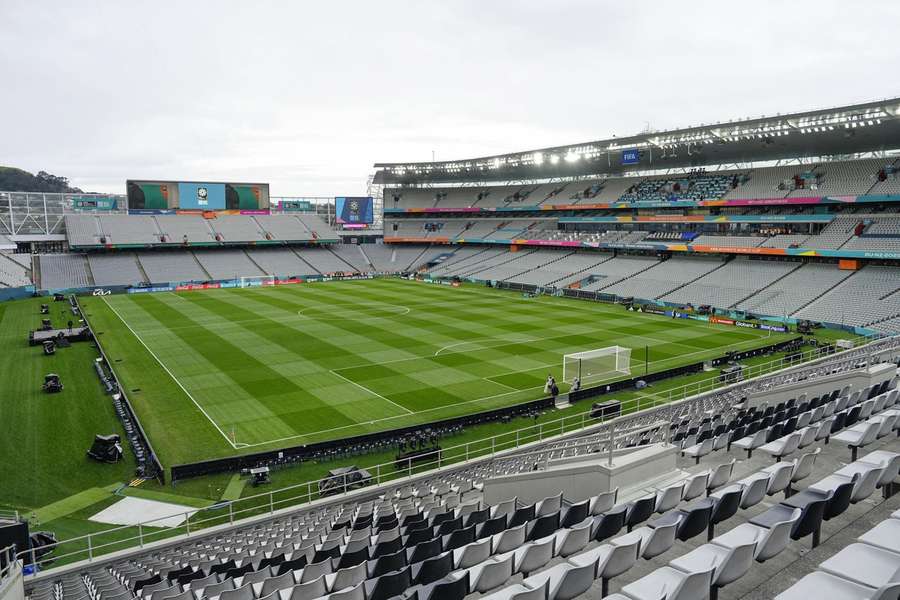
[[660, 365]]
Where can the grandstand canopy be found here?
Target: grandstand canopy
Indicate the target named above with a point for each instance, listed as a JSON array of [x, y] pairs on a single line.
[[868, 127]]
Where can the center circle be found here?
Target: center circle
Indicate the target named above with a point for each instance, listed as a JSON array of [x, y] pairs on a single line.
[[347, 312]]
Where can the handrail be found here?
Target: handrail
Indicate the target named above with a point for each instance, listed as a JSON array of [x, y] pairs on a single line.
[[486, 449], [7, 560]]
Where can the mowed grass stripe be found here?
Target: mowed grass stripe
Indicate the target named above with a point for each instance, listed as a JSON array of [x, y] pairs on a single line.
[[391, 354], [568, 313], [454, 323], [405, 387], [385, 378], [296, 402], [485, 361], [195, 357], [489, 361], [541, 324], [662, 351], [291, 340]]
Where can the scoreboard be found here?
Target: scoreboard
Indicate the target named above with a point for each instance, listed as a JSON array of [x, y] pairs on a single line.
[[354, 210], [196, 195]]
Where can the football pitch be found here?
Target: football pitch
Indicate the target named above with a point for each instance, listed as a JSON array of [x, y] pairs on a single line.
[[216, 373]]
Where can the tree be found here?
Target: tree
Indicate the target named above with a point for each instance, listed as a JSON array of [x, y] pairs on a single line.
[[17, 180]]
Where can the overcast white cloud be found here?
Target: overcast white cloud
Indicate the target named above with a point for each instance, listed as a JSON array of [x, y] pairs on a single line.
[[307, 95]]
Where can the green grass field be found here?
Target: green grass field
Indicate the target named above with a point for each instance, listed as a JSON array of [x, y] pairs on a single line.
[[220, 372], [45, 436]]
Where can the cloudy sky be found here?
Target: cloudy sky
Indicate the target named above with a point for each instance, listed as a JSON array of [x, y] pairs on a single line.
[[307, 95]]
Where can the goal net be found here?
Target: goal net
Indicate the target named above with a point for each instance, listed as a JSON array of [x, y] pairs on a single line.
[[592, 365], [257, 281]]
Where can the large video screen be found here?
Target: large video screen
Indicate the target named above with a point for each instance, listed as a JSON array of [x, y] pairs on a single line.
[[196, 195], [354, 210], [201, 196]]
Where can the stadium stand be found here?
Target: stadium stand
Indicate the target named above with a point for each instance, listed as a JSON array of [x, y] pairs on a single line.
[[324, 261], [115, 269], [572, 268], [128, 229], [284, 227], [317, 228], [618, 269], [281, 262], [881, 234], [394, 259], [82, 230], [353, 255], [833, 178], [471, 263], [887, 179], [234, 228], [867, 296], [15, 269], [789, 294], [162, 267], [734, 282], [60, 271], [664, 277], [729, 241], [787, 241], [185, 228], [227, 264], [524, 264], [836, 233], [605, 190], [694, 186]]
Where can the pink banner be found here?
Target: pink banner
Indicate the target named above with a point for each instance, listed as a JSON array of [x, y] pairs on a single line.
[[762, 201]]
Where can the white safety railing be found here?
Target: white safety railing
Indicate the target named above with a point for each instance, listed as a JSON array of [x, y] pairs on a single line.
[[7, 562]]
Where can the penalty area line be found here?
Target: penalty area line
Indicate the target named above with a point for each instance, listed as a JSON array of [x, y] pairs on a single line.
[[364, 388]]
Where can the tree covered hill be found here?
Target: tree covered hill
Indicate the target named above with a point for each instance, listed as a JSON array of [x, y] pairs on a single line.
[[17, 180]]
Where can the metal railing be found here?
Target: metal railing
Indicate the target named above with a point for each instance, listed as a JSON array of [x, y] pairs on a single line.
[[8, 561], [680, 400]]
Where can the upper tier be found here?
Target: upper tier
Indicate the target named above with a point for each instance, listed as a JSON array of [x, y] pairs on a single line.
[[871, 179], [93, 231]]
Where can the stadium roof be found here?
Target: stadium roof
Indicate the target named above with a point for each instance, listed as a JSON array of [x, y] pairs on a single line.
[[868, 127]]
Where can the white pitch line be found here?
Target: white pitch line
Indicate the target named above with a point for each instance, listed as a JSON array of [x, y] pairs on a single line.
[[498, 341], [362, 387], [509, 387], [334, 371], [175, 379], [428, 410], [336, 315]]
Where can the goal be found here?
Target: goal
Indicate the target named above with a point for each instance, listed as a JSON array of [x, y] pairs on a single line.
[[257, 281], [597, 364]]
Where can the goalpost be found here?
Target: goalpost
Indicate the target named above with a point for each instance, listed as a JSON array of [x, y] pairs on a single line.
[[597, 364], [257, 281]]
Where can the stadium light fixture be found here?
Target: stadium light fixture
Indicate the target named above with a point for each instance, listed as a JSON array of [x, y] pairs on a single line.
[[538, 158], [554, 159]]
